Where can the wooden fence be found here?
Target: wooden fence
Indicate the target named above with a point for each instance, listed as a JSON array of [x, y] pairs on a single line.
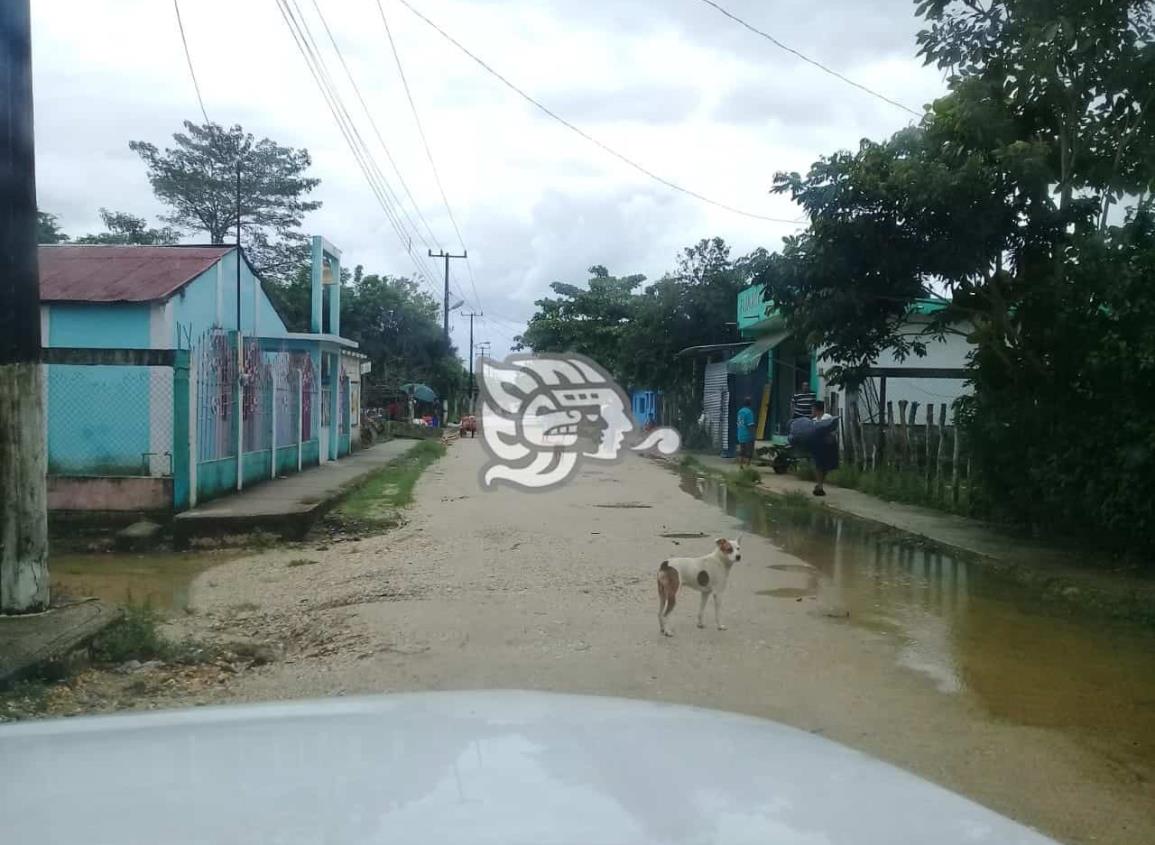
[[917, 440]]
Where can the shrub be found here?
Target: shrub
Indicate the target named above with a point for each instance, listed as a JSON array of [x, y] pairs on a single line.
[[135, 636], [747, 477]]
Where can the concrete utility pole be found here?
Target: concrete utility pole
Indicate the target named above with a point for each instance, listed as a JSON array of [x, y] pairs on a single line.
[[23, 499], [471, 315], [447, 256]]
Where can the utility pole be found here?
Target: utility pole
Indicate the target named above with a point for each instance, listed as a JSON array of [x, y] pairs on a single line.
[[471, 315], [447, 256], [23, 463], [484, 347], [239, 256]]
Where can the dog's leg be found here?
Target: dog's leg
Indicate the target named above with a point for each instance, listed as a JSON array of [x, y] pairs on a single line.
[[667, 595], [718, 612], [702, 609], [662, 610]]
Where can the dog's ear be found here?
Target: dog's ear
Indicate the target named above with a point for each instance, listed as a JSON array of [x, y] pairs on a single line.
[[724, 545]]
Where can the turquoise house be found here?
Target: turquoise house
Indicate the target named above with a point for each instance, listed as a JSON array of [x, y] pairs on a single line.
[[166, 369], [776, 364]]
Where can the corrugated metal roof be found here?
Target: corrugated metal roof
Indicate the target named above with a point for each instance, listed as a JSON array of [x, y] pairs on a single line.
[[75, 273]]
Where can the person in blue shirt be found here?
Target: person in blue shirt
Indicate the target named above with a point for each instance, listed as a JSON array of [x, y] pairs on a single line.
[[745, 433]]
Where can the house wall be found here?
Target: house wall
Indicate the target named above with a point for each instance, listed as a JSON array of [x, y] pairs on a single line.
[[951, 352], [211, 300], [98, 417], [110, 429]]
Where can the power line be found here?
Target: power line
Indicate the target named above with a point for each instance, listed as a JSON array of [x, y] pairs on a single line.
[[377, 182], [380, 138], [544, 109], [306, 45], [188, 58], [505, 321], [428, 151], [809, 60]]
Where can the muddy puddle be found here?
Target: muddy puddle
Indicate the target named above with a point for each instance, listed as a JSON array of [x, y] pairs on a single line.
[[964, 629], [161, 580]]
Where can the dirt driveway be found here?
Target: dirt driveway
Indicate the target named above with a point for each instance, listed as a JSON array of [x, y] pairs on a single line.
[[556, 591]]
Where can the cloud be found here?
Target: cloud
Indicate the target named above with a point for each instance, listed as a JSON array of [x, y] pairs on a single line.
[[653, 104], [673, 85]]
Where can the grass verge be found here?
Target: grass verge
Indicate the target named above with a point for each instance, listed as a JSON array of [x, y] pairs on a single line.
[[893, 485], [137, 636], [376, 503]]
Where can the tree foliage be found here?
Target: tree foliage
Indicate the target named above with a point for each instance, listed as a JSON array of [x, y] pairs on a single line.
[[48, 230], [124, 228], [395, 323], [197, 179], [1002, 197], [635, 331]]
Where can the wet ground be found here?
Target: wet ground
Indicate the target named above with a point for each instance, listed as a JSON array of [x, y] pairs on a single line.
[[914, 657], [966, 629], [161, 580]]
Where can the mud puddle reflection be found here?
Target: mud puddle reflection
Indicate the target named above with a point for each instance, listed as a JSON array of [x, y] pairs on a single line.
[[963, 628], [161, 580]]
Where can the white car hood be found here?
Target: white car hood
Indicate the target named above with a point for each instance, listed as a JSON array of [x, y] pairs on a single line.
[[466, 767]]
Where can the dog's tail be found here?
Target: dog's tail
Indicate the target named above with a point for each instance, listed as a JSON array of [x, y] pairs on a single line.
[[667, 588]]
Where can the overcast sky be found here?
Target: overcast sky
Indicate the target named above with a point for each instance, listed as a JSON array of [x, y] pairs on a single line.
[[672, 84]]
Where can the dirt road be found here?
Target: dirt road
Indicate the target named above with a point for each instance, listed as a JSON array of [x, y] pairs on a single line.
[[556, 591]]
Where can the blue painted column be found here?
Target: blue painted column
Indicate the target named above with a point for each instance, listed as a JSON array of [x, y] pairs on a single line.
[[334, 398], [181, 454], [335, 297], [316, 303]]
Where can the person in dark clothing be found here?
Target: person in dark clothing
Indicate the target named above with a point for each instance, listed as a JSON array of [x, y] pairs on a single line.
[[802, 402], [823, 450]]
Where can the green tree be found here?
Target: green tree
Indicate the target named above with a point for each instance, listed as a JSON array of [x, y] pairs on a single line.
[[1002, 198], [197, 179], [636, 331], [125, 228], [49, 232], [592, 320]]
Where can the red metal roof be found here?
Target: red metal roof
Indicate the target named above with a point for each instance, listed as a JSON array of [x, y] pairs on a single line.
[[74, 273]]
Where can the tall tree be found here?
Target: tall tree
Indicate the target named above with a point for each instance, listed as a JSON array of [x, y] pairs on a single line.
[[124, 228], [1002, 198], [395, 323], [48, 230], [636, 332], [197, 179], [592, 320]]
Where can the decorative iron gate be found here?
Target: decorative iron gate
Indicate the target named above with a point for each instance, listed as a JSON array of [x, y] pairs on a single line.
[[216, 380]]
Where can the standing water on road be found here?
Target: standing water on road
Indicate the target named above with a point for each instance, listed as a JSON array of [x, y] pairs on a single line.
[[162, 580], [965, 629]]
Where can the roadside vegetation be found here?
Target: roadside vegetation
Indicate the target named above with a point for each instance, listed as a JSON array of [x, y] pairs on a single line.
[[895, 485], [1024, 196], [376, 504]]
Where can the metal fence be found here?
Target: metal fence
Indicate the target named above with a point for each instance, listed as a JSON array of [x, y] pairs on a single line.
[[216, 427], [109, 419], [207, 419]]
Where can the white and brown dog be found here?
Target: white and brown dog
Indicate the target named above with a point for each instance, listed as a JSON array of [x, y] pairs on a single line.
[[707, 574]]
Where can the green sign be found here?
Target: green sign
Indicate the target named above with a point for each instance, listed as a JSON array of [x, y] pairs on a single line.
[[752, 309]]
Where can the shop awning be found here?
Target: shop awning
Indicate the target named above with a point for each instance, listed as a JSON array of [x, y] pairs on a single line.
[[746, 361]]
